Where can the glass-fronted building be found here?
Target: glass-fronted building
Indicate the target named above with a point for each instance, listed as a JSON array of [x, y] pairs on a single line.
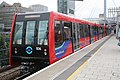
[[66, 7]]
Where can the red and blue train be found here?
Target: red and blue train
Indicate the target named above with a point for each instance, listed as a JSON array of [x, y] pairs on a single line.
[[44, 38]]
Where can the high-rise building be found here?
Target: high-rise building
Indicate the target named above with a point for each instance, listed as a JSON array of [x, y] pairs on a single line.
[[7, 12], [39, 8], [66, 7]]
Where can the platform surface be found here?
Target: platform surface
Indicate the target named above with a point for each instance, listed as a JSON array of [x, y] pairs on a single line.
[[104, 65]]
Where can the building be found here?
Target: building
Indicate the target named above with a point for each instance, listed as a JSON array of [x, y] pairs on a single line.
[[7, 12], [39, 8], [66, 7]]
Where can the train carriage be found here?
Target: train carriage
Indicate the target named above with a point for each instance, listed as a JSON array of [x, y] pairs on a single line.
[[44, 38]]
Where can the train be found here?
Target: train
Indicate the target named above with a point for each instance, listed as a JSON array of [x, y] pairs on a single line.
[[43, 38]]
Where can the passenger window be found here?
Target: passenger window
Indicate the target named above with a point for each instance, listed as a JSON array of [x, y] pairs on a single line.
[[95, 30], [81, 31], [58, 33], [67, 31], [86, 30], [91, 31]]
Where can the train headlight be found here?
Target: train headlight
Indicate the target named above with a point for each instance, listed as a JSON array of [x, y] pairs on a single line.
[[15, 50], [45, 53]]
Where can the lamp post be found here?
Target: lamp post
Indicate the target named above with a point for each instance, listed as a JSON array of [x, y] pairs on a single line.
[[117, 26], [104, 12]]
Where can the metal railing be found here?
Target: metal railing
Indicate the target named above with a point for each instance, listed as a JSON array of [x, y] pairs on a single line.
[[4, 57]]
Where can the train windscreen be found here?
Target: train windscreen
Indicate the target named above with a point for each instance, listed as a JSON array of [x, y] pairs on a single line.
[[42, 33], [29, 38], [31, 32], [18, 33]]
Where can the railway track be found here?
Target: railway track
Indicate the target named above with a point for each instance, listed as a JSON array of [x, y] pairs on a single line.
[[22, 76], [5, 68], [10, 74], [14, 74]]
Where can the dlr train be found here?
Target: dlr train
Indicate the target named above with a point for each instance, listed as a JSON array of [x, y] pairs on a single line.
[[44, 38]]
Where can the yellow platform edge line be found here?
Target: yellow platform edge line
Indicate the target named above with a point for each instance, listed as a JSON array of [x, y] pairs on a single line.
[[83, 65]]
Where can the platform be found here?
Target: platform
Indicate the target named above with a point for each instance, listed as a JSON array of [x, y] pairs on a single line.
[[98, 61]]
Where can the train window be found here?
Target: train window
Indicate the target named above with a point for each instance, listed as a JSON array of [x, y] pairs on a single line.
[[91, 31], [86, 30], [101, 31], [42, 33], [58, 33], [67, 31], [95, 30], [78, 30], [81, 31], [29, 39], [18, 33]]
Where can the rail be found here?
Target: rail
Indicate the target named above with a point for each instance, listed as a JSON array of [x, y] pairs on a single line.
[[10, 74]]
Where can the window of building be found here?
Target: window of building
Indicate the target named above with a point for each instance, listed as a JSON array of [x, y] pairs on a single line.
[[3, 6]]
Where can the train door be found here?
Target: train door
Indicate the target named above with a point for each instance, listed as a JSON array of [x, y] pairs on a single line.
[[85, 34], [62, 37], [75, 36], [98, 33], [92, 34], [82, 35], [102, 32], [89, 34], [95, 33]]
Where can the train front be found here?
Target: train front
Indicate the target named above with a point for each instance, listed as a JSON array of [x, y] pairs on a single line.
[[29, 40]]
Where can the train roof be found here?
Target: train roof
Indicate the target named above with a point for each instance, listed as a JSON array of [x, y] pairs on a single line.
[[28, 13], [74, 19], [65, 17]]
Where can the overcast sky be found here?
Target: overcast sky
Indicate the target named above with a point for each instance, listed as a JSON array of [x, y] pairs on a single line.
[[84, 9]]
